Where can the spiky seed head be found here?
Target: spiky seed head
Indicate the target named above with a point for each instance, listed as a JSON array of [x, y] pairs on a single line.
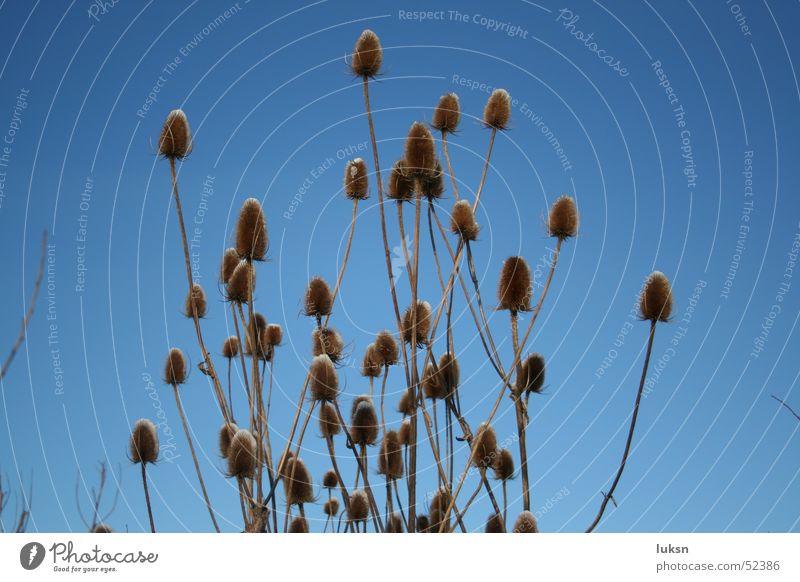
[[102, 528], [497, 112], [494, 524], [441, 500], [297, 483], [420, 151], [230, 258], [144, 442], [371, 365], [406, 404], [390, 459], [326, 340], [530, 376], [298, 525], [435, 519], [526, 523], [387, 348], [563, 220], [394, 525], [318, 300], [401, 184], [230, 347], [404, 434], [359, 505], [358, 400], [356, 185], [432, 185], [503, 465], [432, 385], [367, 55], [273, 334], [329, 425], [423, 314], [323, 379], [198, 297], [243, 275], [485, 445], [331, 507], [364, 424], [330, 480], [655, 303], [514, 289], [423, 524], [242, 454], [226, 433], [450, 372], [175, 368], [462, 221], [175, 141], [447, 113], [251, 231]]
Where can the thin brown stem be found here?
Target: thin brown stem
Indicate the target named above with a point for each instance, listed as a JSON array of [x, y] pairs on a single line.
[[346, 257], [485, 169], [449, 165], [147, 499], [520, 414]]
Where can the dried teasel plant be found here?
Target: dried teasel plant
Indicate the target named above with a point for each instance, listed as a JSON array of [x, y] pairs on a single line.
[[143, 450], [251, 231]]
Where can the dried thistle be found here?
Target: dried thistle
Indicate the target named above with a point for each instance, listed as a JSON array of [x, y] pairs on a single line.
[[494, 524], [390, 459], [230, 258], [328, 341], [175, 368], [497, 112], [318, 300], [485, 446], [367, 55], [242, 455], [406, 404], [655, 302], [526, 523], [356, 185], [462, 221], [330, 480], [230, 347], [420, 151], [251, 231], [503, 465], [423, 524], [432, 185], [298, 525], [329, 424], [432, 385], [144, 442], [198, 297], [450, 372], [563, 220], [447, 113], [226, 434], [530, 377], [102, 528], [331, 507], [440, 501], [387, 348], [404, 434], [323, 379], [175, 141], [364, 424], [371, 365], [401, 185], [273, 334], [514, 290], [394, 524], [359, 506], [238, 289], [297, 483], [423, 327]]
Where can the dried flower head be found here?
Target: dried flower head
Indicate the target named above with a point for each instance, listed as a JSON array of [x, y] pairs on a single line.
[[441, 500], [485, 445], [330, 480], [435, 519], [526, 523], [364, 424], [323, 379], [423, 323], [432, 185], [503, 465], [497, 112], [371, 365], [356, 185], [175, 368], [401, 184], [298, 525], [144, 442], [358, 400], [297, 483], [226, 433], [328, 421], [494, 524], [390, 459], [319, 300], [447, 113], [240, 281], [450, 372], [359, 506], [102, 528], [420, 151], [198, 297], [432, 385], [394, 524], [387, 348], [367, 55], [423, 524], [230, 258], [406, 404], [242, 455], [331, 507], [655, 302], [462, 221], [230, 347], [326, 340], [530, 376], [175, 141], [273, 334], [563, 220], [404, 434], [514, 290], [251, 231]]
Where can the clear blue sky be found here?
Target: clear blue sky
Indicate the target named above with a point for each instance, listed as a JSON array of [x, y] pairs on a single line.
[[660, 185]]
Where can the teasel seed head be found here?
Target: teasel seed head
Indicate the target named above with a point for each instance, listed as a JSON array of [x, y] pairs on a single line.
[[406, 404], [298, 525], [331, 507], [273, 334], [358, 400], [420, 151], [390, 459], [514, 290], [655, 302], [485, 445], [530, 376], [251, 231], [371, 365], [526, 523], [432, 385], [324, 379], [175, 141], [367, 55], [435, 519], [297, 483], [230, 347], [432, 185], [563, 220], [144, 442], [242, 455], [494, 524], [423, 323], [238, 289], [450, 372], [102, 528], [326, 340], [175, 368], [423, 524], [447, 113], [364, 424], [226, 434], [462, 221], [440, 500], [394, 524], [328, 421], [503, 465], [387, 348], [330, 480], [359, 506], [497, 112], [198, 297], [319, 299], [404, 434], [401, 184], [230, 258], [356, 185]]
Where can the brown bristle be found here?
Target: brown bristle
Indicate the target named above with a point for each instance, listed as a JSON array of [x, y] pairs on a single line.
[[497, 112], [432, 385], [242, 455], [229, 261], [371, 365], [440, 501], [102, 528], [331, 507], [420, 151], [364, 424], [367, 55], [390, 459], [273, 334], [494, 524], [198, 297], [319, 300], [404, 434], [526, 523], [450, 372], [297, 483], [514, 290], [436, 518], [251, 231], [226, 432], [329, 424], [175, 368], [401, 184], [423, 524], [423, 311], [356, 185], [432, 185], [563, 220], [387, 348], [462, 221], [358, 400], [447, 113], [330, 480], [655, 302], [238, 289], [530, 377], [323, 379], [394, 525], [230, 347], [298, 525], [359, 506], [144, 442], [175, 141], [326, 340], [485, 445], [406, 404], [503, 465]]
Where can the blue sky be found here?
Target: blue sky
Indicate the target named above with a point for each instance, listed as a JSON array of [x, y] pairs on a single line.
[[676, 123]]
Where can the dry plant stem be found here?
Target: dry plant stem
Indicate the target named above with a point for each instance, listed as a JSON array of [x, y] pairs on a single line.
[[538, 307], [342, 487], [346, 257], [242, 496], [388, 499], [147, 499], [483, 325], [241, 351], [230, 394], [194, 456], [383, 397], [449, 165], [402, 232], [485, 170], [520, 413], [412, 460], [257, 415], [207, 363], [489, 491], [608, 496], [505, 502], [399, 503], [297, 456]]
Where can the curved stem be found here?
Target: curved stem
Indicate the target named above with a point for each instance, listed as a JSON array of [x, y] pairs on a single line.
[[346, 257], [449, 165], [485, 170]]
